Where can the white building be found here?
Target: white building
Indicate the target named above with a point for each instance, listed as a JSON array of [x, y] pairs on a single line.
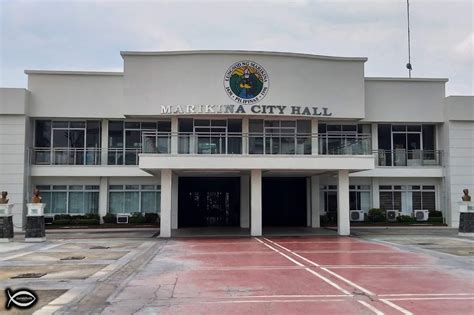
[[235, 138]]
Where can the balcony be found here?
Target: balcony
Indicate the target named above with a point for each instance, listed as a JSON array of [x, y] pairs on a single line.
[[408, 158], [255, 143], [83, 156]]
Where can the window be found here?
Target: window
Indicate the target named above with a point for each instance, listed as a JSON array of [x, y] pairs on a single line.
[[359, 197], [406, 145], [344, 138], [134, 198], [67, 142], [407, 198], [125, 140], [72, 199], [210, 136]]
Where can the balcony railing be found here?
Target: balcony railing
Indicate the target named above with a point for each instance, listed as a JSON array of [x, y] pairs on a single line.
[[402, 157], [84, 156], [256, 143]]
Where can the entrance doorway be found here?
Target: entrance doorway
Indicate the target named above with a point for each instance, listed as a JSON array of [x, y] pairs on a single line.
[[208, 201], [284, 201]]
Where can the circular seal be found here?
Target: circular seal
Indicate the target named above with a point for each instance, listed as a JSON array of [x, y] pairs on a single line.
[[246, 82]]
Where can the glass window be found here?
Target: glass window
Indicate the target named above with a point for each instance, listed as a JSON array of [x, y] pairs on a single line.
[[428, 137], [164, 126], [93, 134], [384, 137], [43, 133], [77, 124], [116, 134], [116, 201], [63, 199], [76, 202], [135, 198], [59, 202]]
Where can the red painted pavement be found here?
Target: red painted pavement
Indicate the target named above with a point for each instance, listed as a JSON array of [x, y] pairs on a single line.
[[250, 276]]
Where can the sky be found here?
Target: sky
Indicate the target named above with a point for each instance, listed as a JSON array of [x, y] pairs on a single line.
[[88, 35]]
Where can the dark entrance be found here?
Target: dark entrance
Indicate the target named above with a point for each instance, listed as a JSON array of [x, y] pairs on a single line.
[[284, 201], [208, 201]]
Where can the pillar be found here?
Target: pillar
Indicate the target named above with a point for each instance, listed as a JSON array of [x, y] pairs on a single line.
[[104, 142], [315, 202], [256, 203], [343, 221], [103, 197], [308, 201], [174, 202], [245, 135], [166, 197], [174, 135], [314, 137], [375, 193], [244, 201]]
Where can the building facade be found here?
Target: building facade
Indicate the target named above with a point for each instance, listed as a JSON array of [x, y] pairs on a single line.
[[235, 138]]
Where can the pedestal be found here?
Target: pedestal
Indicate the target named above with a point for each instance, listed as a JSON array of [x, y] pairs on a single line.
[[466, 218], [35, 227], [6, 223]]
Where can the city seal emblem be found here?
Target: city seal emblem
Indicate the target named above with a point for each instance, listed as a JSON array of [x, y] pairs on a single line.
[[246, 82]]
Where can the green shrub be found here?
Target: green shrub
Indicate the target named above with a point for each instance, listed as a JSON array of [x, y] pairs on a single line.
[[66, 217], [88, 222], [136, 218], [376, 215], [406, 219], [110, 218], [61, 222], [152, 218], [436, 214], [435, 220]]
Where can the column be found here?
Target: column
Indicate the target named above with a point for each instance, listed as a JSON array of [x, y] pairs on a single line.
[[256, 203], [314, 137], [103, 197], [174, 135], [375, 193], [174, 202], [343, 221], [166, 197], [375, 142], [104, 141], [245, 135], [244, 201], [315, 202], [308, 201]]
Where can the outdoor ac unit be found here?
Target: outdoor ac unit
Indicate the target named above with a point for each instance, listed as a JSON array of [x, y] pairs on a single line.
[[422, 215], [392, 215], [122, 218], [357, 215]]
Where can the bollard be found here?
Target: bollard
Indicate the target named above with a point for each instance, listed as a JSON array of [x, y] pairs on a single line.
[[35, 227], [6, 223]]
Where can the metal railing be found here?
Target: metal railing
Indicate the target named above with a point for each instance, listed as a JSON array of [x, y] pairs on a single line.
[[255, 143], [84, 156], [402, 157]]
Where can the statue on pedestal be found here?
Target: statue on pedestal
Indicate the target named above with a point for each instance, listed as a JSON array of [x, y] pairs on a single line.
[[36, 196], [3, 198], [466, 196]]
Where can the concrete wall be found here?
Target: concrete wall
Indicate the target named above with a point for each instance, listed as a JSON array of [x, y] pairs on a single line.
[[75, 94], [458, 135], [404, 100], [13, 101], [151, 80]]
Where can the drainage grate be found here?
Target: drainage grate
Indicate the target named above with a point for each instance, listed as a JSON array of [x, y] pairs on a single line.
[[425, 243], [28, 275], [74, 258], [100, 247]]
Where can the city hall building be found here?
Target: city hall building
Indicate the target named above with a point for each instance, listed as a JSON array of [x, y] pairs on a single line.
[[236, 139]]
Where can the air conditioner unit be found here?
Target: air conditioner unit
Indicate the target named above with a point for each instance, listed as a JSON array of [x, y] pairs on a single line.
[[122, 218], [422, 215], [357, 215], [392, 215]]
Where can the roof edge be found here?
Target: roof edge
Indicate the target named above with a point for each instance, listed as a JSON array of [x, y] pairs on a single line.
[[406, 79], [62, 72], [238, 52]]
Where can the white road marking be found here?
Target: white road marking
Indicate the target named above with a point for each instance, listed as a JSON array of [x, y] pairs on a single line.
[[323, 268], [271, 301], [371, 307], [432, 298], [284, 255], [427, 294], [395, 306], [307, 269]]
